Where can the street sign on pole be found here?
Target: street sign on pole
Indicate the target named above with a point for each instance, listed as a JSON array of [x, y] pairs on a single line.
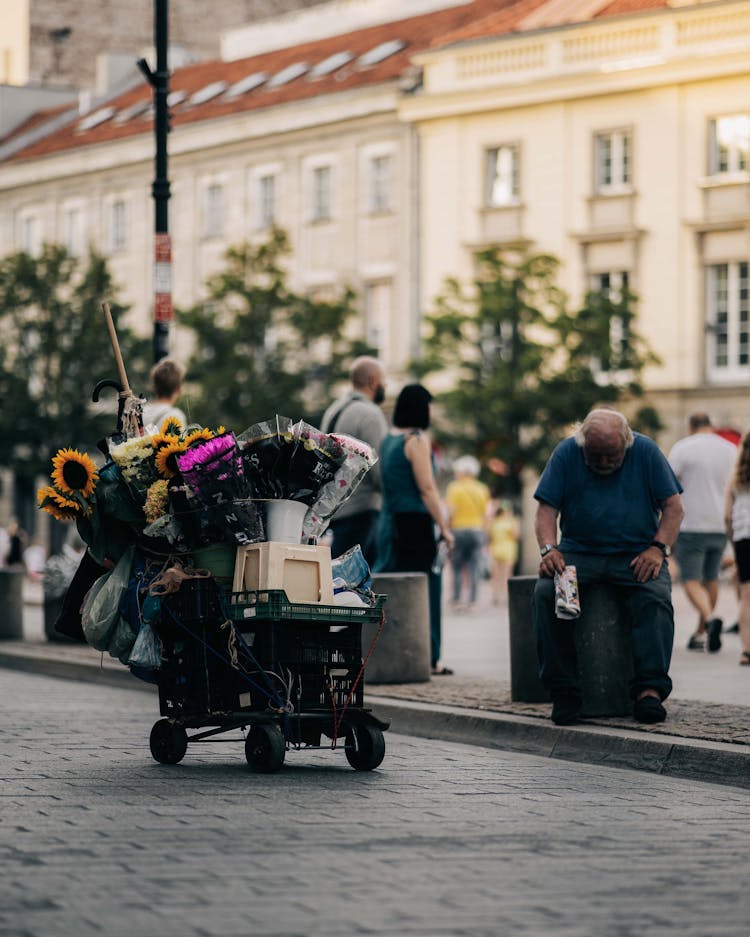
[[159, 81]]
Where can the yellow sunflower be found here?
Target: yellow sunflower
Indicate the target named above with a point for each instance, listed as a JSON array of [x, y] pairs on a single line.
[[55, 503], [166, 457], [74, 471], [198, 434], [171, 427]]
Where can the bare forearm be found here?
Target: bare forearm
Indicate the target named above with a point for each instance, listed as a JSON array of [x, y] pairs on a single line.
[[671, 518], [545, 524]]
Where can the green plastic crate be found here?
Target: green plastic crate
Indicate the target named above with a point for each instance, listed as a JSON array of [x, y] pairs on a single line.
[[273, 605]]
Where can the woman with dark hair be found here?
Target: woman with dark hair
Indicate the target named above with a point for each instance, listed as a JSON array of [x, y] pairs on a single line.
[[411, 504], [737, 518]]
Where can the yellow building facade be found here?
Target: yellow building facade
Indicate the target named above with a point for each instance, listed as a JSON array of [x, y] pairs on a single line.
[[621, 146]]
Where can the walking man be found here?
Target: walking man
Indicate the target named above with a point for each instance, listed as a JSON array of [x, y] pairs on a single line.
[[358, 414], [704, 463]]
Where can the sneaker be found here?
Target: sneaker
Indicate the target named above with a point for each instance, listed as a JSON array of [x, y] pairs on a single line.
[[649, 710], [733, 629], [566, 710], [713, 627], [696, 643]]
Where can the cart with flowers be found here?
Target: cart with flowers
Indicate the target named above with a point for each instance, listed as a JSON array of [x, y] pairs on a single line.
[[166, 521]]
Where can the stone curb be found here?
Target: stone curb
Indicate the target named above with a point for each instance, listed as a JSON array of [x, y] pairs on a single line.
[[696, 759]]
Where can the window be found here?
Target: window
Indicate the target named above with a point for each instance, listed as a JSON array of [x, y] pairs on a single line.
[[213, 210], [729, 144], [321, 193], [613, 287], [381, 171], [612, 161], [266, 201], [728, 320], [29, 235], [378, 317], [117, 226], [501, 186], [72, 231]]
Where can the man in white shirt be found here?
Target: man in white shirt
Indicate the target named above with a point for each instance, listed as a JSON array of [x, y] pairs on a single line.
[[704, 463]]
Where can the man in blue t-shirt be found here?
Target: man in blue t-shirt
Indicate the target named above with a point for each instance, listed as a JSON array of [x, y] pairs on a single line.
[[619, 507]]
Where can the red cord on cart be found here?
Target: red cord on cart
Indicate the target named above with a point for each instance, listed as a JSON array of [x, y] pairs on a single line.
[[337, 724]]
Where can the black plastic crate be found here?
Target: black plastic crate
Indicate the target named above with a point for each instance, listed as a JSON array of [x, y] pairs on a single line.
[[303, 644], [196, 676]]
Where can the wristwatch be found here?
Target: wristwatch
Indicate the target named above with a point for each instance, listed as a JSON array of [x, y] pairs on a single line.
[[547, 548], [665, 548]]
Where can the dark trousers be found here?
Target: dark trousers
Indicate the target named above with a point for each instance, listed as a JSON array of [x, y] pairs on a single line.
[[358, 528], [649, 606]]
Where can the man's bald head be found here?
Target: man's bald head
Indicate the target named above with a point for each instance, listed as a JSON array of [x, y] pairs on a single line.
[[604, 436], [368, 377]]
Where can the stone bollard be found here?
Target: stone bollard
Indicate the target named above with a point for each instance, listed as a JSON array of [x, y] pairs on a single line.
[[603, 648], [402, 653], [11, 604]]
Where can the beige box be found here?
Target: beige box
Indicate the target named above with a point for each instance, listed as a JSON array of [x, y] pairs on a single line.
[[304, 572]]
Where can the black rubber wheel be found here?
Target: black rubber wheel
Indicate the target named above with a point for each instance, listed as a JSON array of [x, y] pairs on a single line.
[[168, 742], [365, 747], [265, 748]]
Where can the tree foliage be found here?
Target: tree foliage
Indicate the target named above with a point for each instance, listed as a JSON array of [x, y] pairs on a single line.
[[54, 347], [522, 367], [261, 348]]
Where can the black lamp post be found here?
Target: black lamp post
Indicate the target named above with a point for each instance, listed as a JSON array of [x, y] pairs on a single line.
[[159, 81]]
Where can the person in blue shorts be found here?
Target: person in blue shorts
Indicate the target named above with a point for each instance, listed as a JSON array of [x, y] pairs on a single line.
[[619, 509]]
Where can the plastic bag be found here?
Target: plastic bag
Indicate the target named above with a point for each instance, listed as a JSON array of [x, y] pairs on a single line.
[[358, 460], [266, 450], [100, 616], [146, 651], [352, 570]]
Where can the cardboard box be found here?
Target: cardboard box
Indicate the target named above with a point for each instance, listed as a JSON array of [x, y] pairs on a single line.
[[304, 572]]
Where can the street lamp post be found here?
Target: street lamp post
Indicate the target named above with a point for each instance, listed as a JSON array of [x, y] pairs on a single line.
[[159, 81]]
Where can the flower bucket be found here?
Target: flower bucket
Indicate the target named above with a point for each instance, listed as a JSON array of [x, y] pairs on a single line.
[[218, 559], [284, 520]]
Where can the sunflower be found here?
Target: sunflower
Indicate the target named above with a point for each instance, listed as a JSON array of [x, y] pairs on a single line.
[[166, 457], [171, 427], [198, 434], [55, 503], [74, 472]]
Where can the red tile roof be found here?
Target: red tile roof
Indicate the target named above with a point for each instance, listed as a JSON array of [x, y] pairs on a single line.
[[475, 20]]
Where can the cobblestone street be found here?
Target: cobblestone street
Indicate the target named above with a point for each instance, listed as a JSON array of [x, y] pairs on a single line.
[[443, 839]]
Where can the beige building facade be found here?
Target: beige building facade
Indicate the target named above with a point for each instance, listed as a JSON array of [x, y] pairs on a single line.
[[621, 145]]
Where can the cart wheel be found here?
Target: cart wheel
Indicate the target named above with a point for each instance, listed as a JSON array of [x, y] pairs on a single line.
[[168, 742], [265, 748], [365, 747]]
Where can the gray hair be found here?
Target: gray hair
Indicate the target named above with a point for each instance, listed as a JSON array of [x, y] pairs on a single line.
[[466, 465], [603, 417]]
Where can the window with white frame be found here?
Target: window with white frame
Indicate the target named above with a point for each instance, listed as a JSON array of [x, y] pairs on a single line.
[[72, 231], [729, 144], [612, 161], [29, 234], [118, 233], [380, 195], [613, 286], [378, 302], [322, 193], [728, 320], [502, 176], [213, 210], [267, 201]]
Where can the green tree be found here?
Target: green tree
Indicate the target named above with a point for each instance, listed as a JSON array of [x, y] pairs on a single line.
[[54, 347], [522, 367], [261, 348]]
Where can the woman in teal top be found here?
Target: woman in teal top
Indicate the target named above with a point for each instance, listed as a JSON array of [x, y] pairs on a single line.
[[411, 503]]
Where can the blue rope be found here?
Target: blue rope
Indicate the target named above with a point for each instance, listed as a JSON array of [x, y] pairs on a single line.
[[269, 691]]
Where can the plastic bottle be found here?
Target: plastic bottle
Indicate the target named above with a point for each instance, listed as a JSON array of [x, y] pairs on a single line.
[[441, 555]]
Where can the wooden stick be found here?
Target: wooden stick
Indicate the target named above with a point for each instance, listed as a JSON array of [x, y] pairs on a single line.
[[116, 349]]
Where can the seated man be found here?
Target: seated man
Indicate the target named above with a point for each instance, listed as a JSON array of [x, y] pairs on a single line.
[[620, 510]]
